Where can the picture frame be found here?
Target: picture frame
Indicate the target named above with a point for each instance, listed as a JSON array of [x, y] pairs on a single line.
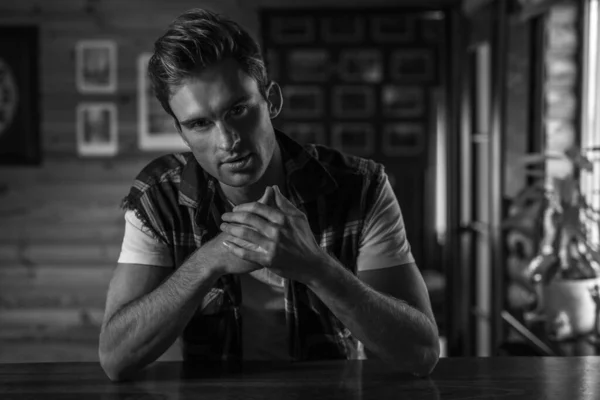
[[432, 26], [393, 28], [293, 29], [156, 128], [305, 132], [343, 29], [353, 138], [303, 101], [361, 65], [412, 65], [403, 139], [353, 101], [309, 65], [402, 101], [96, 66], [97, 129]]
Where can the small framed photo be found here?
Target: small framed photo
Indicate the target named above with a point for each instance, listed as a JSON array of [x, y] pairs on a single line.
[[343, 29], [302, 101], [361, 65], [97, 129], [289, 30], [156, 128], [96, 66], [393, 28], [403, 139], [353, 138], [305, 132], [403, 101], [432, 27], [412, 65], [353, 101], [309, 65]]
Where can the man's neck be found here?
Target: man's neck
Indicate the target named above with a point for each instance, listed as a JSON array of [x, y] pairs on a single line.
[[274, 175]]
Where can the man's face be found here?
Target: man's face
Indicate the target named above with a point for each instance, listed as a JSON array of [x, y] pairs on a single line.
[[226, 123]]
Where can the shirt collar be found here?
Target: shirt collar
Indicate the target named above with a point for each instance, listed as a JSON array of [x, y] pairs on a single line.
[[306, 177]]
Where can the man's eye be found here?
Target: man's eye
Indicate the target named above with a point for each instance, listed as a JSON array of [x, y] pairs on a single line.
[[200, 124], [238, 110]]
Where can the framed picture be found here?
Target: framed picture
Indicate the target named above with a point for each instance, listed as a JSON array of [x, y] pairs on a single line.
[[361, 65], [353, 101], [431, 26], [403, 101], [97, 129], [293, 29], [403, 139], [412, 65], [302, 101], [353, 138], [309, 65], [305, 132], [156, 128], [343, 29], [96, 66], [393, 28]]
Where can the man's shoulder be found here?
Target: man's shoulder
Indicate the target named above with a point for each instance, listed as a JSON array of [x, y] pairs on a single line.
[[340, 163], [163, 169]]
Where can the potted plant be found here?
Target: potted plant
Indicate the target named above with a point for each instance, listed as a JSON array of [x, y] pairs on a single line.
[[554, 269]]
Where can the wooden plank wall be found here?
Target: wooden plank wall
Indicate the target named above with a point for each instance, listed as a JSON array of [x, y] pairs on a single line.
[[60, 223]]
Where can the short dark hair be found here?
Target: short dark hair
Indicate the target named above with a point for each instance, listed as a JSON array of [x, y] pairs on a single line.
[[195, 40]]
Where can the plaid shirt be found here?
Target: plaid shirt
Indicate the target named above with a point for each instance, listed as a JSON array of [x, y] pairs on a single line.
[[178, 202]]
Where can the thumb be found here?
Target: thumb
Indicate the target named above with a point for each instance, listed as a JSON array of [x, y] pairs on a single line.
[[282, 202], [267, 197]]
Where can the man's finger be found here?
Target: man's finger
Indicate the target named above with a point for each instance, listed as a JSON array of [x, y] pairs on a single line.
[[282, 202], [267, 197], [267, 212]]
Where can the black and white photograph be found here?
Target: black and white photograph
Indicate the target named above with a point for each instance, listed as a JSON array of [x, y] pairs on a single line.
[[351, 101], [415, 65], [305, 132], [292, 30], [354, 138], [303, 101], [309, 65], [393, 28], [156, 128], [403, 101], [403, 139], [97, 129], [96, 66], [343, 29], [361, 65]]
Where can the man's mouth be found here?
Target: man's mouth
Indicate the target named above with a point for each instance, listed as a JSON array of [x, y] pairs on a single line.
[[236, 159]]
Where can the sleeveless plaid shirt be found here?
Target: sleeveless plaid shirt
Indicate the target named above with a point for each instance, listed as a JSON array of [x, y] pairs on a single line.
[[179, 204]]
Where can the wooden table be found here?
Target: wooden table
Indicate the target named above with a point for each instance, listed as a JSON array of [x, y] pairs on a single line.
[[454, 378]]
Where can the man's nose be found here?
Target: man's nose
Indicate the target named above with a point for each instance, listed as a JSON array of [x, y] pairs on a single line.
[[228, 137]]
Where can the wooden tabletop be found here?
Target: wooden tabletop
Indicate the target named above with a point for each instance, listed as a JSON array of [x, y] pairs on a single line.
[[569, 378]]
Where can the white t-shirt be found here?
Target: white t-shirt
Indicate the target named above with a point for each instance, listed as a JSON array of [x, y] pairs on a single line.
[[382, 245]]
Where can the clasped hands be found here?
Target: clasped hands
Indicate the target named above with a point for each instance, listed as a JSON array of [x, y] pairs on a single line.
[[274, 234]]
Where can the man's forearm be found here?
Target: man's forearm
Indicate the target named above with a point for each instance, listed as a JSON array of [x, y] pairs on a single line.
[[144, 329], [391, 329]]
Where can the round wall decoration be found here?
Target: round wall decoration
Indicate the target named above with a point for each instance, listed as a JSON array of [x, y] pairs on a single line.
[[9, 96]]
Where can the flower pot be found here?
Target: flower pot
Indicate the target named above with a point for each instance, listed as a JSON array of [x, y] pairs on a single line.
[[569, 307]]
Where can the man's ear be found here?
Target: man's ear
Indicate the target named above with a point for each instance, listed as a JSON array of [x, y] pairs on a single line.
[[274, 99]]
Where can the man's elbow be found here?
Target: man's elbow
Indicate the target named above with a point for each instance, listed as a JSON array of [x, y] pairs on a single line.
[[427, 361], [115, 369]]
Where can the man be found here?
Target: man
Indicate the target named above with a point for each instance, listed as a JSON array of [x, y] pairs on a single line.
[[251, 246]]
